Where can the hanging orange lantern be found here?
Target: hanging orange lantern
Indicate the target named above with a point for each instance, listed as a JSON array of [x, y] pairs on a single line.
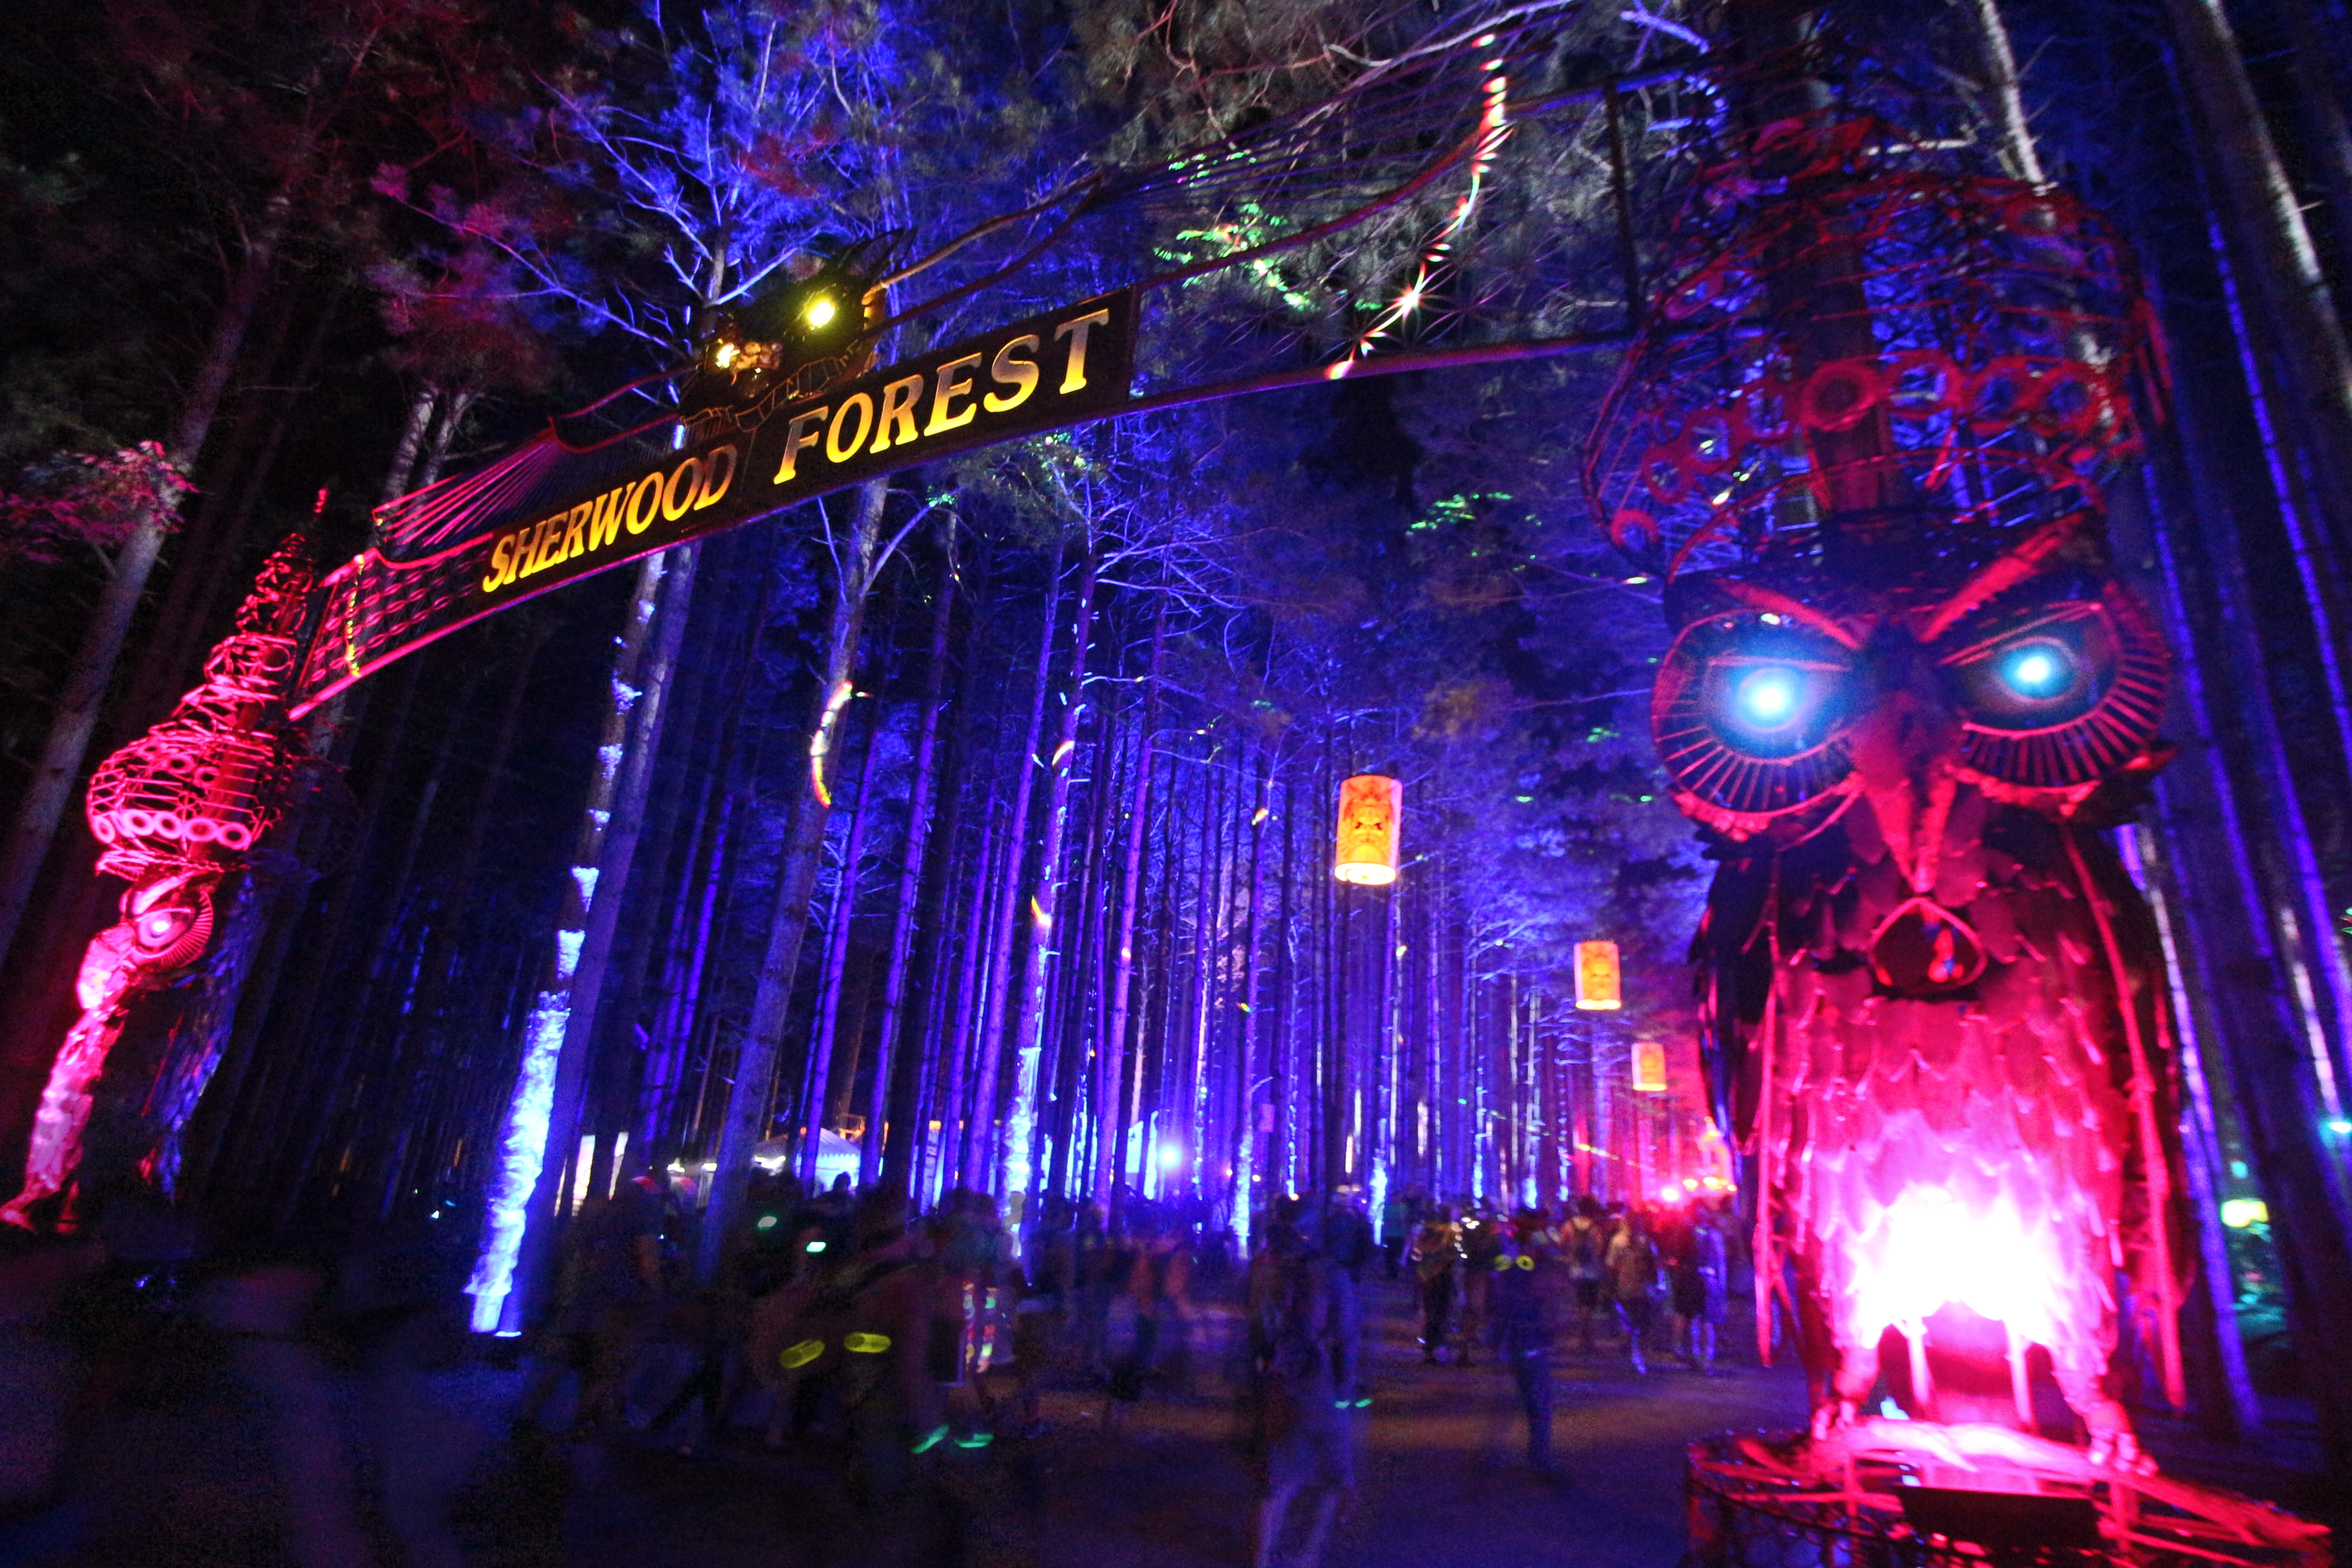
[[1597, 986], [1649, 1068], [1372, 813]]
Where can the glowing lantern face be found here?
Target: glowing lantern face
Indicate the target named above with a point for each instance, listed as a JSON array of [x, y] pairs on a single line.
[[1371, 812], [1649, 1068], [1597, 986]]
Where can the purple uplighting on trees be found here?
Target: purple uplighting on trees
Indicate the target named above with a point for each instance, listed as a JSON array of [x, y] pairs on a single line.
[[919, 766]]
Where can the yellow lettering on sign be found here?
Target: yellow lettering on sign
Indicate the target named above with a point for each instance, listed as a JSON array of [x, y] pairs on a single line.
[[805, 431], [604, 520], [679, 500], [575, 532], [953, 380], [645, 502], [1073, 374], [896, 425], [834, 449], [501, 558], [541, 537], [1009, 368], [716, 478]]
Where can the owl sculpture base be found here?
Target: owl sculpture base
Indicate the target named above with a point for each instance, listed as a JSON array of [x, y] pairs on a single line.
[[1919, 1493]]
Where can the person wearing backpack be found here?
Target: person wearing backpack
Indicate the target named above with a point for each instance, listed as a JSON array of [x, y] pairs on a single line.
[[1632, 1267], [1481, 1241]]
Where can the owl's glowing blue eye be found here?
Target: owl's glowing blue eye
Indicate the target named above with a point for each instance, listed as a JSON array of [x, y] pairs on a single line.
[[2039, 670], [1767, 698]]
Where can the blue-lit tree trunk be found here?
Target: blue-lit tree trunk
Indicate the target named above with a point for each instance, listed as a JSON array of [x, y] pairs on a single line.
[[826, 1027], [976, 1159], [1245, 1135], [1111, 1072], [543, 1116], [1016, 1157]]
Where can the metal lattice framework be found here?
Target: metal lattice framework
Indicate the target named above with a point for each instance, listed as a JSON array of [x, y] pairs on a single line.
[[1990, 334], [203, 787], [1862, 365]]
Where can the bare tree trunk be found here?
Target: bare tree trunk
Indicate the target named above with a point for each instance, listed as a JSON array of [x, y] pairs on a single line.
[[971, 976], [978, 1139], [92, 671], [668, 1051], [425, 1092], [1086, 981], [1028, 1034], [1280, 1167], [2274, 1049], [2017, 149], [1111, 1135], [745, 1121], [934, 1008], [826, 1025], [2271, 246], [912, 854], [210, 558], [1155, 1043], [543, 1113], [1246, 1166], [1208, 941]]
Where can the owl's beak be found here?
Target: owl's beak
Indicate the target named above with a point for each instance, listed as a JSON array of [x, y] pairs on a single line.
[[1907, 744]]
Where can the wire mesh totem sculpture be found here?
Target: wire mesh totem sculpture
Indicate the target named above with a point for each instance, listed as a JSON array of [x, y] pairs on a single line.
[[176, 811], [1862, 438]]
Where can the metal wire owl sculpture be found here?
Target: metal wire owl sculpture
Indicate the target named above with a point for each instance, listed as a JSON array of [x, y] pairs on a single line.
[[1863, 438]]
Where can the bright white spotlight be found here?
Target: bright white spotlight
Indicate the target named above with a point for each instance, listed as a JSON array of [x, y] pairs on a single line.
[[1767, 697]]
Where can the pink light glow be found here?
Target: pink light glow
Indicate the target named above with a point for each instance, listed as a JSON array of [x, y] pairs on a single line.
[[1929, 1250]]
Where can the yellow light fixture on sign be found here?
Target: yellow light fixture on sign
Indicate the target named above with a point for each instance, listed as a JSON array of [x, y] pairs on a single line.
[[1649, 1068], [820, 312], [1597, 986], [1372, 813]]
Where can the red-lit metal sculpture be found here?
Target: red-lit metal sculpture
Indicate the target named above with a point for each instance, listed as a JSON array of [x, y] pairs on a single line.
[[1863, 440], [177, 811]]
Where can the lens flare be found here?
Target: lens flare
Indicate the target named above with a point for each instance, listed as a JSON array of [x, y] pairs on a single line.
[[1767, 697], [2038, 669]]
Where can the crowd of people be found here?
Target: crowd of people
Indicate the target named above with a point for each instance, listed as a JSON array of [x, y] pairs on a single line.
[[855, 1334], [1619, 1264], [840, 1315], [853, 1323]]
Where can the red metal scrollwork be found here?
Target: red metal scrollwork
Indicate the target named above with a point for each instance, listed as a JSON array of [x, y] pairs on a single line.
[[176, 811]]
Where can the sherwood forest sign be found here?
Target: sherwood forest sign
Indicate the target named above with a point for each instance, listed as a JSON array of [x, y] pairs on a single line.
[[614, 504]]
